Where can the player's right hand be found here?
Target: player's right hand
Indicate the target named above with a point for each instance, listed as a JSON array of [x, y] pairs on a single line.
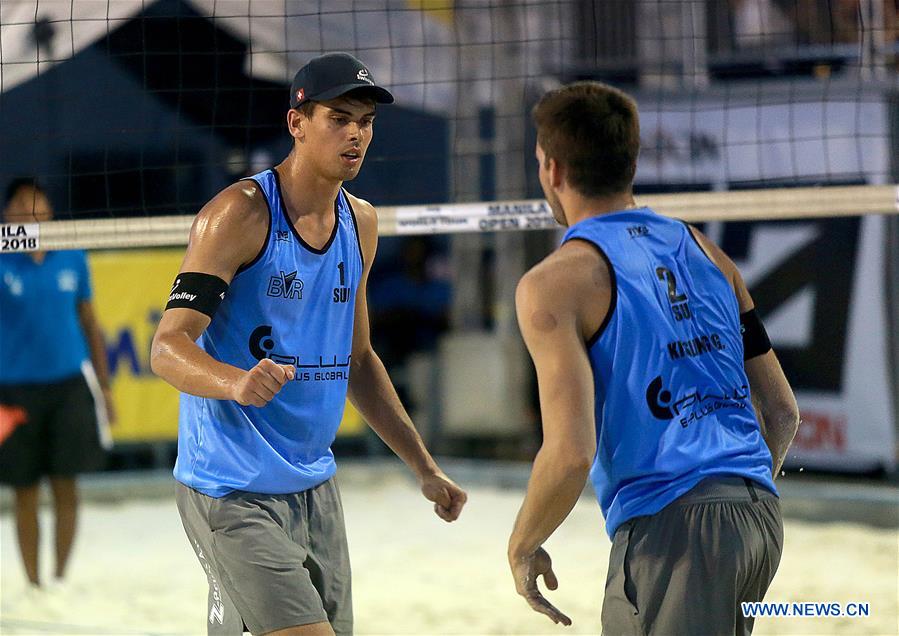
[[260, 384], [525, 570]]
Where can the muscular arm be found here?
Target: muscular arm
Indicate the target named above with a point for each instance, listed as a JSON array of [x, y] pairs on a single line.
[[775, 406], [553, 302], [772, 397], [547, 301], [373, 394], [227, 233]]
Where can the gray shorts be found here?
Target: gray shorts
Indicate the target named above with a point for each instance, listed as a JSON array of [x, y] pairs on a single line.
[[687, 568], [272, 561]]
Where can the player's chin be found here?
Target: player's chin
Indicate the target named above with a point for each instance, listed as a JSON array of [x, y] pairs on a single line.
[[348, 173]]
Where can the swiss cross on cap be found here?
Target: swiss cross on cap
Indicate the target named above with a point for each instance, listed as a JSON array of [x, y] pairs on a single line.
[[332, 75]]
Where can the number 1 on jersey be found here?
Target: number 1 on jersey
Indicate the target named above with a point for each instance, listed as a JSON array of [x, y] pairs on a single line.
[[341, 293]]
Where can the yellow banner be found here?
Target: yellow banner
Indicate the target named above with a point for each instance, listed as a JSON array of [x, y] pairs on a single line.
[[130, 290], [439, 9]]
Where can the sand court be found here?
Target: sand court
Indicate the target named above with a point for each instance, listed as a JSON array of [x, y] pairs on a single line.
[[134, 573]]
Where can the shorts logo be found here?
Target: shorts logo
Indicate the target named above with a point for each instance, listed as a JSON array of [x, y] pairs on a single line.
[[285, 286], [217, 609], [216, 606]]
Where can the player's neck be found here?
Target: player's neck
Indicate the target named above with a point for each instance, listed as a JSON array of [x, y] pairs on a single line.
[[578, 207], [306, 192]]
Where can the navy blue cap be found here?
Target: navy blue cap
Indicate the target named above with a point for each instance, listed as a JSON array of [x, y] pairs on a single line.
[[332, 75]]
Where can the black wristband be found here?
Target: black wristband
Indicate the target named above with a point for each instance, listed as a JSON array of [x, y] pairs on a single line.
[[755, 338], [198, 291]]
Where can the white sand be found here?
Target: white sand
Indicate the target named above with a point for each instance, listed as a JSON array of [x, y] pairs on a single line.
[[133, 571]]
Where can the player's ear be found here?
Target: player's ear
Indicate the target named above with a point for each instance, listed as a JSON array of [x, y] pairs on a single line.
[[555, 172], [296, 124]]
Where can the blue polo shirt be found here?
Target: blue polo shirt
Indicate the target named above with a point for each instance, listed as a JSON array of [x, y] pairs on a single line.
[[41, 339]]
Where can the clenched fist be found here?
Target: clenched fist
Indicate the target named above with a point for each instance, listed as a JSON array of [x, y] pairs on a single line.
[[260, 384], [448, 498]]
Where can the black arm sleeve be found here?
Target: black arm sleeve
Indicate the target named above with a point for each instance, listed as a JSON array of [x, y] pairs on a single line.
[[198, 291], [755, 338]]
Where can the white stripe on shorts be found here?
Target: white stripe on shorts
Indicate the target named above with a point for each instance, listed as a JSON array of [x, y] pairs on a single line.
[[103, 432]]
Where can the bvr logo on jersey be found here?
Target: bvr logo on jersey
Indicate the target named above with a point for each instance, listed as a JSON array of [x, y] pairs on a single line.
[[285, 286]]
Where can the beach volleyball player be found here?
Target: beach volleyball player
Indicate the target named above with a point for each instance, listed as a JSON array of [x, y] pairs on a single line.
[[647, 348], [265, 333]]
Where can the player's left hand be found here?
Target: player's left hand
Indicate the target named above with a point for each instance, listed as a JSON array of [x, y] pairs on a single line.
[[525, 570], [448, 498]]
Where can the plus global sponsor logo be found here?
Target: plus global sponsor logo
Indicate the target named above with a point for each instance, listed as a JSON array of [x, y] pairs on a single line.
[[695, 404], [321, 368]]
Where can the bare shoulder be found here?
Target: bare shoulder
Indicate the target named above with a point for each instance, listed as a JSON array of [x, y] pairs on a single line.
[[229, 230], [567, 276], [366, 215], [367, 224], [573, 284], [239, 207]]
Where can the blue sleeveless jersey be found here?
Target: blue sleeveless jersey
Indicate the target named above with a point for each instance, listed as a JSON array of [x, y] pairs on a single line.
[[293, 304], [672, 396]]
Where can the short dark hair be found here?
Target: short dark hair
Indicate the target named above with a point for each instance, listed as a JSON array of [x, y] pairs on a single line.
[[306, 108], [13, 187], [593, 131]]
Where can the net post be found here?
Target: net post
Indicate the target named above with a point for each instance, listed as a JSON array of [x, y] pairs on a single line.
[[872, 33]]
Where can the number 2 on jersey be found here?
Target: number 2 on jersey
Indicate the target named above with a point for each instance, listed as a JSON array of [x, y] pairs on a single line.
[[679, 306]]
